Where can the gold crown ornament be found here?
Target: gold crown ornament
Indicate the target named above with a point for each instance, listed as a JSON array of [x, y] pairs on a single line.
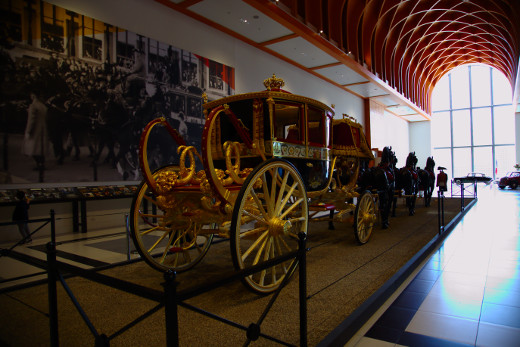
[[274, 83]]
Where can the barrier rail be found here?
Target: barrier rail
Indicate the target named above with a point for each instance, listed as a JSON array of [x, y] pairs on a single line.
[[51, 219], [170, 298]]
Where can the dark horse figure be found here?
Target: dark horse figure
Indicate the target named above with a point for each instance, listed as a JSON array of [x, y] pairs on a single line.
[[380, 179], [427, 180], [407, 179]]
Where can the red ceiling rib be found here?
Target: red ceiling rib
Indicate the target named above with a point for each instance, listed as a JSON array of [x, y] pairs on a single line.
[[406, 46], [411, 44]]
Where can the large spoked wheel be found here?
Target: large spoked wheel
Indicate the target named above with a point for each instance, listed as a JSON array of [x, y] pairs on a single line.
[[364, 217], [161, 240], [270, 211]]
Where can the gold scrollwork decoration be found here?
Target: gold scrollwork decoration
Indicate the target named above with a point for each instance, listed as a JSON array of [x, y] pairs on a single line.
[[233, 170], [186, 174]]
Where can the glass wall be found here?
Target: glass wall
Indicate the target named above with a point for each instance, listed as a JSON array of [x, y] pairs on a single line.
[[473, 122]]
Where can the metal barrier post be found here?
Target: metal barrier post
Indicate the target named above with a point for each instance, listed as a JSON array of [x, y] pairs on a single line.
[[442, 210], [52, 271], [53, 227], [462, 196], [127, 236], [52, 294], [303, 287], [439, 210], [170, 309]]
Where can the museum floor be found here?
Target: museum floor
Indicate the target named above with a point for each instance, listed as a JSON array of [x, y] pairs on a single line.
[[465, 293]]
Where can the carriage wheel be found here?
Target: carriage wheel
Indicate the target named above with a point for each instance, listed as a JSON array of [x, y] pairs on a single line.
[[269, 213], [364, 218], [161, 244]]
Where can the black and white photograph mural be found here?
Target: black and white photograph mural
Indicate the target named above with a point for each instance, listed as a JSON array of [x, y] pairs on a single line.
[[77, 92]]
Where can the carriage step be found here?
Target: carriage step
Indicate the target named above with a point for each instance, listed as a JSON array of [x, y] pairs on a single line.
[[321, 207]]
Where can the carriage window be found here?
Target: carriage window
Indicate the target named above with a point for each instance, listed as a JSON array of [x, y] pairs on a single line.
[[287, 122], [316, 126]]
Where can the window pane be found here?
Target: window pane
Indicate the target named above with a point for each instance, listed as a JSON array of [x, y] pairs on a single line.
[[504, 160], [441, 129], [442, 157], [461, 128], [315, 127], [504, 125], [461, 161], [501, 89], [441, 95], [482, 126], [287, 118], [460, 88], [480, 85], [481, 132], [483, 157]]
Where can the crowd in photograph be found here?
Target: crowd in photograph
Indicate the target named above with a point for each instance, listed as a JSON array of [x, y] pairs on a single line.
[[72, 105]]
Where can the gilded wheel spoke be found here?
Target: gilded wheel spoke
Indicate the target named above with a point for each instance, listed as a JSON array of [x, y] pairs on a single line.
[[273, 190], [147, 215], [254, 245], [258, 254], [259, 204], [287, 196], [279, 248], [149, 198], [297, 219], [253, 232], [266, 257], [284, 243], [165, 252], [254, 216], [146, 232], [273, 269], [267, 196], [292, 207], [150, 250], [280, 193]]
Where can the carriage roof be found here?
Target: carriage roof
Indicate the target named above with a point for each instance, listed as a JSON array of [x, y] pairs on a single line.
[[349, 138], [277, 94]]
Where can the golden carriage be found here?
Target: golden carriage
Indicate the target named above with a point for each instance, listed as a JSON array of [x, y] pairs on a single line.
[[273, 161]]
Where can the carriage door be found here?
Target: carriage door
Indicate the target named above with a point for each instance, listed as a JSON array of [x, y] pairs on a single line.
[[315, 169]]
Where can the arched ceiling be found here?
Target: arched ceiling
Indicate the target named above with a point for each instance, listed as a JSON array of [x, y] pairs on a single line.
[[393, 51]]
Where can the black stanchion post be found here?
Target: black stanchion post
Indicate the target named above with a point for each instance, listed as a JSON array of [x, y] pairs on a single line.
[[52, 278], [52, 294], [170, 309], [83, 215], [53, 227], [303, 287], [462, 196], [75, 216], [127, 225], [442, 209], [439, 210]]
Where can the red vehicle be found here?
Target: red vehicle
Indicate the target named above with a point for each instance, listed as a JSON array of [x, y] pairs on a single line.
[[512, 179]]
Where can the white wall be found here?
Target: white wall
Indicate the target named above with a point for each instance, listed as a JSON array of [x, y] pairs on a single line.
[[420, 141], [389, 130]]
